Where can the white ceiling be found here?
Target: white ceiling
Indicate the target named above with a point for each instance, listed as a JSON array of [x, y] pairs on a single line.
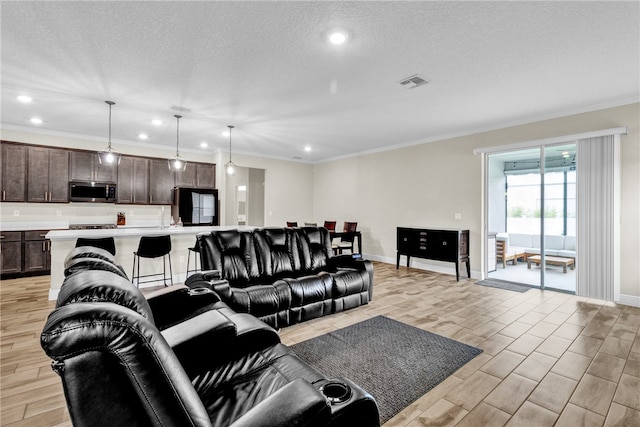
[[266, 68]]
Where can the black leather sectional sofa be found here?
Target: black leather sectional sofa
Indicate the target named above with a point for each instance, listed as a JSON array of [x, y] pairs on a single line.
[[181, 357], [283, 276]]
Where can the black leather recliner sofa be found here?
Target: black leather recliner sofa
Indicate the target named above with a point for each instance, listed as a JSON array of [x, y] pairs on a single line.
[[124, 361], [283, 276]]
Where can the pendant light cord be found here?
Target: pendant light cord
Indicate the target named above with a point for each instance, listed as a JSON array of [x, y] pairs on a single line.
[[177, 135], [110, 103], [230, 127]]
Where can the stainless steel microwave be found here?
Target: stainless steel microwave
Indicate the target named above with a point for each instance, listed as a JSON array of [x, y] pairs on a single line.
[[89, 191]]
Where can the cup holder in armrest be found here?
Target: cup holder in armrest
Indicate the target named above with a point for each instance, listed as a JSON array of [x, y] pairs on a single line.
[[200, 291], [336, 391]]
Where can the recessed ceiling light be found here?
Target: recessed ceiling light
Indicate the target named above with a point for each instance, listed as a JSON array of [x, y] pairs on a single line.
[[338, 37], [143, 136], [307, 148], [204, 145], [156, 122], [36, 121], [25, 99]]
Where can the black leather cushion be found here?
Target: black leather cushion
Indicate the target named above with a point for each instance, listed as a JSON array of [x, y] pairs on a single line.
[[89, 252], [315, 247], [349, 289], [269, 303], [311, 297], [278, 254], [232, 252], [231, 390], [82, 264], [102, 286]]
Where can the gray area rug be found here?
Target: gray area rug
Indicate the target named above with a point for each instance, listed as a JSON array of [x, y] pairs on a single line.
[[506, 285], [395, 362]]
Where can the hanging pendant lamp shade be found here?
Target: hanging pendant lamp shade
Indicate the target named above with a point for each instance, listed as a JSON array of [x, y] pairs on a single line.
[[108, 156], [177, 163], [230, 167]]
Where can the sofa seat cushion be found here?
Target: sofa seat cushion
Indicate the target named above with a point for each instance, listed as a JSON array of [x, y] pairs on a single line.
[[350, 289], [229, 391], [310, 296], [566, 253], [269, 303]]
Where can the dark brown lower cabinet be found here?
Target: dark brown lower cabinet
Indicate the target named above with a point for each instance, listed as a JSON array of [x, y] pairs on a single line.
[[37, 252], [10, 252], [24, 253]]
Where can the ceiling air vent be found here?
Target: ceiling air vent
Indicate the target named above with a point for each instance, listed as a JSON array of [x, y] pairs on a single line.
[[412, 82], [180, 109]]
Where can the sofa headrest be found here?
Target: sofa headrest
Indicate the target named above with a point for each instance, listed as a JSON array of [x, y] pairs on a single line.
[[229, 240], [275, 236], [103, 286], [89, 252], [81, 264]]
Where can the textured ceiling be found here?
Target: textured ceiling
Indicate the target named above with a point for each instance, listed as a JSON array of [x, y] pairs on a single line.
[[266, 68]]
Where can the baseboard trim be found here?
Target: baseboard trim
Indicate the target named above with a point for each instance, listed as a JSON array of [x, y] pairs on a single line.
[[420, 264], [632, 300]]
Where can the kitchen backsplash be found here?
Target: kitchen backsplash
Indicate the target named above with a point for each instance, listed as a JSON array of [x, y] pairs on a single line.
[[60, 215]]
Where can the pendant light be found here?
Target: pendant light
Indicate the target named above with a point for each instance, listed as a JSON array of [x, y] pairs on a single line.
[[177, 164], [109, 157], [230, 167]]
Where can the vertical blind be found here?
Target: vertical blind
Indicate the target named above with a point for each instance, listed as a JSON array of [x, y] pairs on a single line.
[[596, 243]]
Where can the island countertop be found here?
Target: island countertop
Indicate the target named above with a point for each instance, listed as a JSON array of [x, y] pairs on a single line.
[[134, 232], [126, 242]]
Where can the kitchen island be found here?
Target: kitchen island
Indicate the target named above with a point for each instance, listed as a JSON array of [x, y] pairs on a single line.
[[126, 240]]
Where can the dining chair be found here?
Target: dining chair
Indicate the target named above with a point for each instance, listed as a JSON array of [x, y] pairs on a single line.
[[346, 242], [292, 224]]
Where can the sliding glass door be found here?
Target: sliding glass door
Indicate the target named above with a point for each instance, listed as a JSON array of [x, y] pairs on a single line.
[[531, 218]]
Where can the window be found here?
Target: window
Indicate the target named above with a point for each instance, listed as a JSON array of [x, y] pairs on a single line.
[[523, 194]]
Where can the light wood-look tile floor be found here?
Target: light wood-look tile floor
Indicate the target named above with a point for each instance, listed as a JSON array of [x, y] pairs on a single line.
[[549, 358]]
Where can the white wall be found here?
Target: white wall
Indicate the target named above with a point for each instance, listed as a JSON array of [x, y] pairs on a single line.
[[288, 188], [425, 185]]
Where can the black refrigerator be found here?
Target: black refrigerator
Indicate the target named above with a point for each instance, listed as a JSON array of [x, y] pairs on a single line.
[[195, 206]]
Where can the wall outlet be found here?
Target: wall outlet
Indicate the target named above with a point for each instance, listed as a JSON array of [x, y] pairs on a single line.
[[58, 212], [457, 216], [16, 212]]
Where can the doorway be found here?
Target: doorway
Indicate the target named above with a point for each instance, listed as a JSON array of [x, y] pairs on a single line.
[[245, 197], [531, 216]]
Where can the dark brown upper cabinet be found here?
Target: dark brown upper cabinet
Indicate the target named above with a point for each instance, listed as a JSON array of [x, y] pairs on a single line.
[[48, 175], [133, 180], [161, 182], [197, 175], [13, 174], [86, 167]]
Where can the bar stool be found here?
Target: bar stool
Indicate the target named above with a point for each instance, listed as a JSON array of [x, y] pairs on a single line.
[[196, 250], [106, 243], [153, 247]]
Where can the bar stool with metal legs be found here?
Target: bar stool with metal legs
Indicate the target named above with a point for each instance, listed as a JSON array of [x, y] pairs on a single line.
[[153, 247], [196, 253]]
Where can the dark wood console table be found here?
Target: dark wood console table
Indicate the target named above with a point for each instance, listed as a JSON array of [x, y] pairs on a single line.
[[439, 245]]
